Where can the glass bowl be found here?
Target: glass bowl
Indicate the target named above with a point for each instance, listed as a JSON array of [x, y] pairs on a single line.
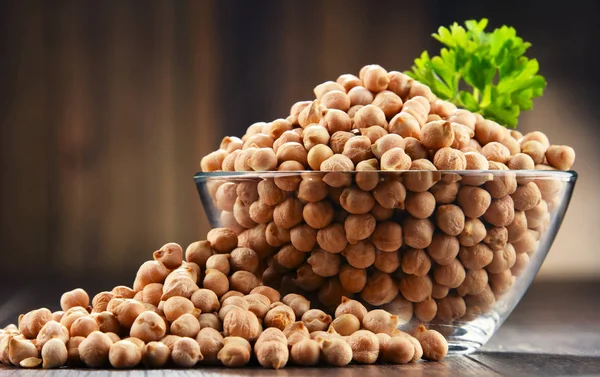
[[455, 250]]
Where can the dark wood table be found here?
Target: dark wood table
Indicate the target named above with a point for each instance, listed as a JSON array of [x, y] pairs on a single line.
[[555, 331]]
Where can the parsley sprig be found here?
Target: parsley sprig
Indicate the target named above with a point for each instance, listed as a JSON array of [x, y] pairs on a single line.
[[502, 80]]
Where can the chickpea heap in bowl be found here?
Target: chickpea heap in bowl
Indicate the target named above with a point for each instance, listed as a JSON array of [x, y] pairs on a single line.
[[379, 191]]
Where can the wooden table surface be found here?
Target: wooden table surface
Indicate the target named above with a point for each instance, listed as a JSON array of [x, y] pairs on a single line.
[[555, 331]]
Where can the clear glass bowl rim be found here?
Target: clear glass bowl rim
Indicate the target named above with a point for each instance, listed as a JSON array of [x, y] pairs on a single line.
[[559, 175]]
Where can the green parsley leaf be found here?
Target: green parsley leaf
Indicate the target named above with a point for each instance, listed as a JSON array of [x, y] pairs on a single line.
[[502, 80]]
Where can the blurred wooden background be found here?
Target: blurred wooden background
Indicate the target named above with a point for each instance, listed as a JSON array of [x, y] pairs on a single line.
[[108, 106]]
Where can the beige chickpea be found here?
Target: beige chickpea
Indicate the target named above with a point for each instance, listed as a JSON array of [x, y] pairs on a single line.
[[312, 188], [560, 157], [269, 193], [336, 99], [222, 240], [318, 215], [389, 102], [356, 201], [495, 151], [537, 214], [205, 300], [417, 233], [219, 262], [439, 291], [474, 283], [288, 213], [311, 114], [253, 129], [501, 283], [476, 161], [414, 148], [405, 125], [155, 355], [128, 311], [464, 117], [359, 227], [488, 131], [390, 194], [348, 81], [375, 78], [518, 228], [435, 347], [243, 259], [538, 136], [260, 140], [415, 288], [387, 262], [369, 115], [445, 193], [170, 255], [526, 197], [306, 352], [276, 236], [186, 325], [451, 275], [76, 297], [395, 159], [401, 308], [241, 214], [303, 237], [521, 263], [186, 353], [298, 303], [380, 289], [229, 161], [481, 302], [94, 350], [198, 252], [511, 144], [336, 120], [418, 109], [263, 159], [501, 212], [331, 292], [99, 303], [241, 323], [292, 151], [324, 263], [316, 320], [278, 127], [32, 322], [327, 87], [520, 161], [210, 320], [234, 355], [231, 143], [272, 294], [374, 133], [243, 281], [380, 321], [352, 307], [535, 150], [289, 257], [400, 350], [364, 345], [387, 236], [449, 159], [420, 204], [422, 176], [280, 317], [443, 248], [475, 257], [287, 137], [473, 232], [213, 161], [503, 183], [496, 238], [399, 83], [315, 135], [83, 326], [243, 157], [216, 281], [317, 154], [426, 310], [437, 134], [51, 330], [336, 352], [124, 354], [473, 201], [367, 177], [258, 304], [451, 308], [357, 149], [502, 260], [175, 307], [415, 262], [338, 141], [352, 279]]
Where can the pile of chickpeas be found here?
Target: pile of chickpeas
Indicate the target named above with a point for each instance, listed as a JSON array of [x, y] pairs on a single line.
[[166, 320], [365, 192]]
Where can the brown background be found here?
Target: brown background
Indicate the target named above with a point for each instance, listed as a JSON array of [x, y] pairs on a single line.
[[107, 107]]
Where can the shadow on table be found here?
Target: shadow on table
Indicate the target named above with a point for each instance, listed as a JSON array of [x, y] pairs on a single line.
[[530, 364]]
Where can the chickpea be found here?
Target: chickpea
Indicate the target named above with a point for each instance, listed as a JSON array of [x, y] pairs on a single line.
[[380, 321], [451, 275], [369, 115], [186, 325], [327, 87], [389, 102], [307, 279], [278, 127], [464, 117], [536, 215], [126, 292], [361, 254], [51, 330], [475, 257], [206, 300], [337, 142], [292, 151], [298, 303], [380, 289], [502, 260], [526, 197], [356, 201], [405, 125], [380, 213], [451, 308], [487, 131], [241, 323], [54, 354], [560, 157], [367, 177], [495, 151], [276, 236], [306, 352], [186, 353], [445, 193], [435, 347], [336, 352], [399, 83], [439, 291], [357, 149], [399, 350], [331, 292], [537, 136], [83, 326], [437, 134], [32, 323], [420, 204], [296, 332], [198, 252], [222, 240], [94, 350], [482, 302], [99, 303], [443, 248], [390, 194], [496, 238], [417, 233], [216, 281], [386, 262], [473, 233], [318, 215], [243, 158], [335, 120], [210, 320], [426, 310], [280, 317], [415, 288], [359, 227], [395, 159], [415, 262], [365, 346], [311, 114], [521, 262], [501, 212], [219, 262], [473, 201], [288, 213], [324, 263], [535, 150], [518, 228], [476, 161], [76, 297], [417, 109], [155, 355], [243, 281], [124, 354], [414, 148], [286, 137], [352, 279], [241, 214], [447, 158], [376, 78], [234, 355], [520, 161], [501, 283]]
